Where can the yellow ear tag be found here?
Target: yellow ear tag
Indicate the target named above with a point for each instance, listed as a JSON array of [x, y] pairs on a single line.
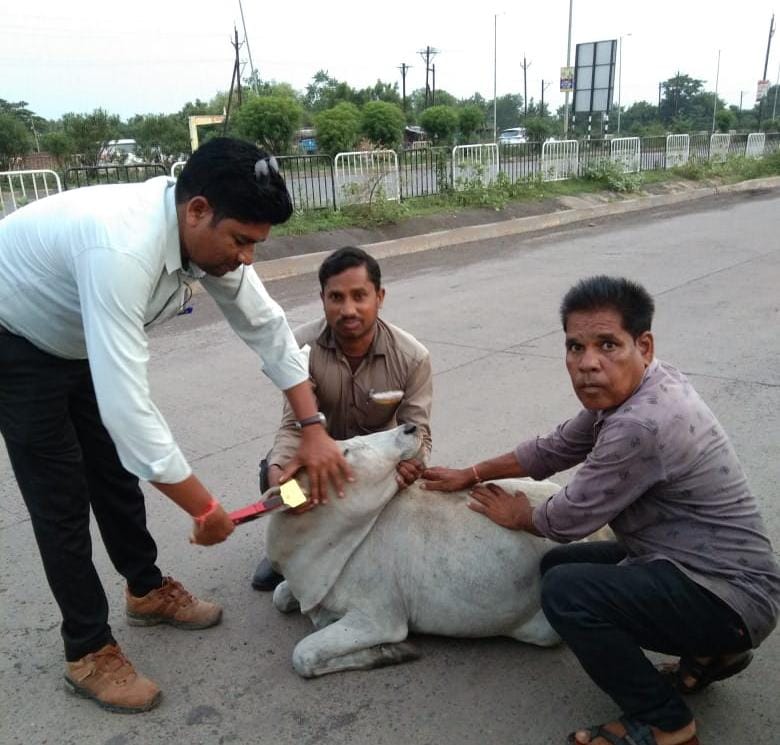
[[292, 494]]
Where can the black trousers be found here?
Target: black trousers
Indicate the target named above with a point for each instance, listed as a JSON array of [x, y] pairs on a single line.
[[607, 614], [65, 462]]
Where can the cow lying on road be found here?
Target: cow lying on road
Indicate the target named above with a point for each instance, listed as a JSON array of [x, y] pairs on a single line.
[[371, 567]]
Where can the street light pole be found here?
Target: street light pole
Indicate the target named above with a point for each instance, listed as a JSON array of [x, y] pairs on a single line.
[[495, 67], [715, 102], [620, 79]]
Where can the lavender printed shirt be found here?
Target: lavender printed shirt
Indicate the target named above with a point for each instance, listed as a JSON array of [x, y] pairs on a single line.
[[660, 470]]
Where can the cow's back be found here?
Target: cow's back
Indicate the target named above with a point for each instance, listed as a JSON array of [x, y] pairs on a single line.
[[454, 571]]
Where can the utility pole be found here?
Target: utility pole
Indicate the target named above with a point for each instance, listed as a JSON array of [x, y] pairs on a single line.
[[766, 65], [427, 54], [741, 93], [403, 68], [541, 106], [715, 102], [660, 85], [433, 78], [777, 85], [255, 81], [525, 67], [234, 81], [568, 64]]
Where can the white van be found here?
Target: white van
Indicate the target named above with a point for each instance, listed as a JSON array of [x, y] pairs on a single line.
[[120, 151], [513, 136]]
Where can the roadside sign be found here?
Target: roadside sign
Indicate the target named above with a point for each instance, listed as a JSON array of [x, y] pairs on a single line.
[[567, 79], [762, 90]]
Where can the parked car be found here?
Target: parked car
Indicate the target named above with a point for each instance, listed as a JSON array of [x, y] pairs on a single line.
[[513, 136]]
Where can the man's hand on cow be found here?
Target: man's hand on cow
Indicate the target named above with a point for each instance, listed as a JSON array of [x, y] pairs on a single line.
[[408, 471], [447, 479], [512, 511], [321, 456]]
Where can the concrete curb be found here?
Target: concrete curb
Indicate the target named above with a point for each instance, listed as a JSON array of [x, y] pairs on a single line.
[[306, 263]]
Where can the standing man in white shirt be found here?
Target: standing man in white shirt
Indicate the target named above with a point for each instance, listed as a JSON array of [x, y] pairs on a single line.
[[82, 276]]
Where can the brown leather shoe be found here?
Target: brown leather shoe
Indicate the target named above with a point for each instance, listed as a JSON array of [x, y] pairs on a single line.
[[109, 678], [173, 605]]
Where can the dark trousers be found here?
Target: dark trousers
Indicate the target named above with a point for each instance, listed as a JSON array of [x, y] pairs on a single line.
[[607, 614], [65, 461]]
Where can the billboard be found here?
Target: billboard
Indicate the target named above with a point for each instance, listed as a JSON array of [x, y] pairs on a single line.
[[594, 76]]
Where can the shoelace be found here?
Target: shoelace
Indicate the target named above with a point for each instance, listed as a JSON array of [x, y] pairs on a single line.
[[112, 660], [176, 592]]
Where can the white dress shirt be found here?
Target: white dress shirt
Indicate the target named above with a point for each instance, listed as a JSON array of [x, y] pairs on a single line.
[[84, 273]]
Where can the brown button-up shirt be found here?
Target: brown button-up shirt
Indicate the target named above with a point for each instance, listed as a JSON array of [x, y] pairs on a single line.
[[661, 471], [395, 361]]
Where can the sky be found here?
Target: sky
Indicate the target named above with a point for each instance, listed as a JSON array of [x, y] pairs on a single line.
[[145, 57]]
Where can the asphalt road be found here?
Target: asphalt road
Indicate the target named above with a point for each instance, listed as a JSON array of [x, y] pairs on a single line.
[[488, 313]]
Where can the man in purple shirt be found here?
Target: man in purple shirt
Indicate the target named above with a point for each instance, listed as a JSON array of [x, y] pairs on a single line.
[[692, 571]]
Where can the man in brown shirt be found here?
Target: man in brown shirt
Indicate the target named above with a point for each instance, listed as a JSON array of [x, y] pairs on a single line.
[[692, 572], [367, 375]]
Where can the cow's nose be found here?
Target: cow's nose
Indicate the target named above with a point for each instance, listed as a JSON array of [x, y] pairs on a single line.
[[410, 429]]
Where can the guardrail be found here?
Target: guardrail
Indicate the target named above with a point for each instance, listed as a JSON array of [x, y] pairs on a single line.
[[17, 188], [322, 182]]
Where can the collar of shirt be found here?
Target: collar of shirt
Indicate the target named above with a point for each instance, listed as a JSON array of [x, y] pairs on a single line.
[[173, 262], [603, 414]]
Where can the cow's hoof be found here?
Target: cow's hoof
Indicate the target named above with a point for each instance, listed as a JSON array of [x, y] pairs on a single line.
[[284, 601]]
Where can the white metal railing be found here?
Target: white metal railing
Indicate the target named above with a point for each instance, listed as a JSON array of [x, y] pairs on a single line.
[[474, 163], [177, 166], [626, 152], [678, 150], [25, 186], [363, 176], [560, 159], [754, 148], [719, 146]]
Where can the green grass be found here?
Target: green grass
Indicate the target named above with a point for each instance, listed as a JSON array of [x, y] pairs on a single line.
[[475, 195]]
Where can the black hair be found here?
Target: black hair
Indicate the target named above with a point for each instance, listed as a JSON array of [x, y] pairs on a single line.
[[239, 180], [347, 258], [630, 300]]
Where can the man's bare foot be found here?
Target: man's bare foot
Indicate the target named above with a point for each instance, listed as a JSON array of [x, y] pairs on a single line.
[[684, 736]]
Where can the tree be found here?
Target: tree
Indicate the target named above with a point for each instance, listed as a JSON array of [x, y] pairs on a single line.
[[325, 92], [90, 132], [638, 117], [338, 128], [725, 120], [159, 135], [383, 123], [14, 139], [59, 146], [538, 128], [270, 120], [678, 93], [440, 122], [507, 111], [471, 119]]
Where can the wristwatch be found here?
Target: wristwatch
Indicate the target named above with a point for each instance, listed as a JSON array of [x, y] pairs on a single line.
[[318, 418]]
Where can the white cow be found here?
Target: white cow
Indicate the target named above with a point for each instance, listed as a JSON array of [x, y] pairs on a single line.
[[371, 567]]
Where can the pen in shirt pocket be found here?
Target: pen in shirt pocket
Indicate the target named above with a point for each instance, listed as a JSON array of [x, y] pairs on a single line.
[[385, 398]]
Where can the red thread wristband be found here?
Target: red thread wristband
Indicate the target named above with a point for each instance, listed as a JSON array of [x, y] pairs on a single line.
[[200, 519], [476, 474]]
